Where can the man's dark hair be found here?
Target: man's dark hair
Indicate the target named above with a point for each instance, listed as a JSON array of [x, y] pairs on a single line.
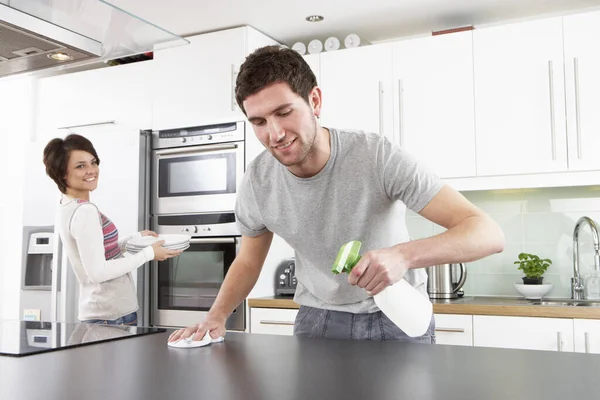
[[273, 64], [56, 157]]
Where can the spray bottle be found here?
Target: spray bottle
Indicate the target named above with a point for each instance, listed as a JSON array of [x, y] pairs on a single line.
[[404, 305]]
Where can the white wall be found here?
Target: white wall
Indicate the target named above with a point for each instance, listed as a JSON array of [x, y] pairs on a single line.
[[538, 221], [16, 129]]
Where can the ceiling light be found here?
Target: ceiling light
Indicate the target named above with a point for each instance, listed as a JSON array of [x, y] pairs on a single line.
[[59, 56], [314, 18]]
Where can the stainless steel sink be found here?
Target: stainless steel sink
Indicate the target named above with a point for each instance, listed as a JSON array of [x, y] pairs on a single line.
[[588, 304], [566, 303], [556, 303]]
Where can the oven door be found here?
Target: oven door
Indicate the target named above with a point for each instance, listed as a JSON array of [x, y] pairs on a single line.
[[184, 288], [202, 178]]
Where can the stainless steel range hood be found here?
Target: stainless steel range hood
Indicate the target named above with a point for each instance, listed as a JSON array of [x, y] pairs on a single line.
[[42, 34]]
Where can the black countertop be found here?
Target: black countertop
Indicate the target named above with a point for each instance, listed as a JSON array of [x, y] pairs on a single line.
[[253, 366], [25, 338]]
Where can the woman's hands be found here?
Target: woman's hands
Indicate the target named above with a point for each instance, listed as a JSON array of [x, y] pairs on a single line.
[[161, 253]]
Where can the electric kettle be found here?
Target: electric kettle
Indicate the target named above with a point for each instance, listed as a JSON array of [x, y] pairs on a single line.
[[442, 282]]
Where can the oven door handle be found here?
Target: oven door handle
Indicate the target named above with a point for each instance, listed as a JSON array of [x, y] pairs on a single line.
[[212, 240], [197, 149]]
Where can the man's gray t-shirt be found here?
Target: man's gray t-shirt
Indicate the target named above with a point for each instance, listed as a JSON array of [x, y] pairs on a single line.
[[354, 197]]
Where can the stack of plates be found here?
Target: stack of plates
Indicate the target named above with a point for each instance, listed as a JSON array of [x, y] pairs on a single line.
[[172, 242]]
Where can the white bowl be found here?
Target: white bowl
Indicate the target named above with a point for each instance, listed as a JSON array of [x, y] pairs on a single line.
[[533, 291]]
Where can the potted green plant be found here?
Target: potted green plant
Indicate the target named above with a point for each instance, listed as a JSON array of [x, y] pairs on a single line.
[[533, 267]]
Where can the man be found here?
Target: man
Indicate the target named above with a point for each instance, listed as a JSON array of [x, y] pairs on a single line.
[[319, 188]]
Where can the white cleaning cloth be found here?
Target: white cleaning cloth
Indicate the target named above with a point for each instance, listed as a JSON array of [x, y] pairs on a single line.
[[189, 343]]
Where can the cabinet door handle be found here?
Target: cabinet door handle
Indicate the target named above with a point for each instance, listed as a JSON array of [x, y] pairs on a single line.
[[400, 112], [269, 322], [552, 128], [577, 115], [452, 330], [587, 342], [88, 125], [380, 88], [233, 79], [559, 342]]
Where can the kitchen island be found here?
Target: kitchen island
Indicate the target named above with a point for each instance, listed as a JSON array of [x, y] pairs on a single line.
[[247, 366]]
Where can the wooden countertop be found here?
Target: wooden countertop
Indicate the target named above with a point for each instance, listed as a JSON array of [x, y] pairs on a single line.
[[478, 305]]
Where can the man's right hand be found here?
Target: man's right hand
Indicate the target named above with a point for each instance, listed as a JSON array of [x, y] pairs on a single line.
[[216, 327]]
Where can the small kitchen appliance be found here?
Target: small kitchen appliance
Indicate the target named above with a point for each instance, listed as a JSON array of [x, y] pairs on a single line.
[[442, 282], [285, 278]]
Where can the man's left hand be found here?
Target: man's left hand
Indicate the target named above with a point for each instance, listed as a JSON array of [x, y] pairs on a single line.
[[378, 269], [149, 233]]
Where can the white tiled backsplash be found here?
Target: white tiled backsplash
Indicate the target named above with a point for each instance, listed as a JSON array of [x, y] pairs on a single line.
[[538, 221]]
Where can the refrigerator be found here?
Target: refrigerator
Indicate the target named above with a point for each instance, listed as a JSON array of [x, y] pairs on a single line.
[[122, 195]]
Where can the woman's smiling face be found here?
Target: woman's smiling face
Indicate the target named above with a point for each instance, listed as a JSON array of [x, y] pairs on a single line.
[[82, 173]]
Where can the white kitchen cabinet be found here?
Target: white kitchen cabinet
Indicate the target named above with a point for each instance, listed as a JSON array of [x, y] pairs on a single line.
[[274, 321], [552, 334], [194, 84], [433, 94], [314, 62], [109, 106], [582, 83], [357, 91], [120, 93], [519, 98], [454, 329], [587, 336]]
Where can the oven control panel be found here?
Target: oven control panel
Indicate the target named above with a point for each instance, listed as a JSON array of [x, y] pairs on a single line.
[[199, 135], [197, 225]]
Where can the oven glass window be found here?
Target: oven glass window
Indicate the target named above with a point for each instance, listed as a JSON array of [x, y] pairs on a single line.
[[203, 269], [192, 280], [181, 181], [197, 175]]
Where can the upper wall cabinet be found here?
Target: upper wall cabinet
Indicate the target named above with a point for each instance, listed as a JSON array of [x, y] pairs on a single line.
[[121, 94], [519, 98], [194, 84], [314, 62], [433, 93], [356, 86], [582, 78]]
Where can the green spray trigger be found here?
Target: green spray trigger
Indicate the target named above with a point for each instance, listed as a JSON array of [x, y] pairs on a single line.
[[347, 257]]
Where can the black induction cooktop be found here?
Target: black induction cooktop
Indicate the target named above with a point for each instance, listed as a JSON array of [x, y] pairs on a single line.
[[24, 338]]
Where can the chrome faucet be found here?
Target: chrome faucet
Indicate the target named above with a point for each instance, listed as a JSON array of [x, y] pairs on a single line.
[[577, 280]]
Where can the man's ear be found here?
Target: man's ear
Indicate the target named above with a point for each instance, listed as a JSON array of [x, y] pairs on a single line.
[[316, 101]]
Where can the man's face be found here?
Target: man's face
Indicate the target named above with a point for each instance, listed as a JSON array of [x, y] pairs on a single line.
[[284, 123]]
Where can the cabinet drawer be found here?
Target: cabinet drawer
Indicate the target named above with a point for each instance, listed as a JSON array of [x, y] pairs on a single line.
[[274, 321], [550, 334], [454, 329]]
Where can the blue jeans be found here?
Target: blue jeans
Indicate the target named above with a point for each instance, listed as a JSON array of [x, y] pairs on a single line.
[[129, 320], [315, 322]]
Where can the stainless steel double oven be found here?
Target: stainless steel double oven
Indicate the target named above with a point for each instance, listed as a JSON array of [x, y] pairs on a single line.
[[196, 173], [197, 169]]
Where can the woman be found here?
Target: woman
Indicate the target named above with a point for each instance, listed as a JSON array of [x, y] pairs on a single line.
[[107, 294]]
